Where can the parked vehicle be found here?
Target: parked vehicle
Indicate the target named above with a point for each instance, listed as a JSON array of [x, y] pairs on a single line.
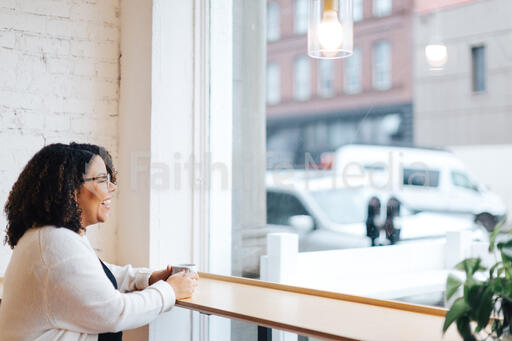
[[431, 180], [329, 215]]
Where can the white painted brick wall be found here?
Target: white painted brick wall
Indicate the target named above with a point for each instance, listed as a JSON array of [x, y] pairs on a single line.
[[59, 82]]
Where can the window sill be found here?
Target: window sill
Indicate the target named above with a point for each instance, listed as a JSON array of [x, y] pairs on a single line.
[[316, 313]]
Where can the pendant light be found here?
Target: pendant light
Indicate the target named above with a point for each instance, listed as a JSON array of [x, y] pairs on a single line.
[[436, 52], [330, 29]]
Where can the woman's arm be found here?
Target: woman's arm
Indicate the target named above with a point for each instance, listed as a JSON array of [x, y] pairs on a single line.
[[81, 298], [129, 278]]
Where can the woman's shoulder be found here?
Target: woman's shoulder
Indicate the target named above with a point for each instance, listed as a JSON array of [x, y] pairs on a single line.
[[59, 243]]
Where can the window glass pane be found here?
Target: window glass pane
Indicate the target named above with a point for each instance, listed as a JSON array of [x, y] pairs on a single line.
[[381, 8], [358, 10], [397, 130], [462, 180], [282, 206], [352, 201], [341, 132], [300, 22], [273, 21], [302, 81], [352, 76], [478, 63], [326, 78], [382, 65], [421, 177], [273, 83]]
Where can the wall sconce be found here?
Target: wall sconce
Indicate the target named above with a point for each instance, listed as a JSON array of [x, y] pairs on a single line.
[[331, 29], [437, 56]]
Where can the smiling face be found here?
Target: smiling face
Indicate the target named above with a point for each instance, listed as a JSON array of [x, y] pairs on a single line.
[[95, 195]]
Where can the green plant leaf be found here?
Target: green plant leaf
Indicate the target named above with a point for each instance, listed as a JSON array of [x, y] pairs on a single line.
[[500, 272], [497, 327], [493, 269], [452, 284], [506, 252], [494, 234], [485, 308], [464, 329], [458, 309], [474, 294], [470, 266]]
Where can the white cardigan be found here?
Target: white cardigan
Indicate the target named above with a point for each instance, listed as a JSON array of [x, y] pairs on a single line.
[[55, 289]]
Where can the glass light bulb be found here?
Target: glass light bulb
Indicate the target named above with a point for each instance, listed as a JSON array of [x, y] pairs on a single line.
[[436, 55], [330, 31]]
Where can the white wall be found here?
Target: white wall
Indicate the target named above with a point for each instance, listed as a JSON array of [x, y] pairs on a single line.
[[446, 110], [59, 82]]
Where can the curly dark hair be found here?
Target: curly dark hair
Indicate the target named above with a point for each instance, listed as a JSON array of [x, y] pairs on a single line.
[[103, 153], [46, 190]]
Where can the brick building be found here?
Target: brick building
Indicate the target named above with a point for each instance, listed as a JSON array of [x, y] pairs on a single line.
[[318, 105]]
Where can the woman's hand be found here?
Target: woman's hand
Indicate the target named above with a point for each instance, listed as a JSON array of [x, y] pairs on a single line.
[[160, 275], [184, 284]]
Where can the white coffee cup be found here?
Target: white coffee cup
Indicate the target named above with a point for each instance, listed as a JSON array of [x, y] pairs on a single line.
[[188, 268]]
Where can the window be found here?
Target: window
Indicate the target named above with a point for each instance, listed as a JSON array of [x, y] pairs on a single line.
[[352, 76], [478, 65], [326, 78], [273, 83], [462, 180], [315, 136], [300, 22], [381, 8], [303, 131], [358, 12], [273, 22], [421, 177], [302, 87], [382, 65], [282, 206]]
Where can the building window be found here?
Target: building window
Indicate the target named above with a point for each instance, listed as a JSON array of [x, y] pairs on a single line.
[[381, 8], [478, 65], [273, 83], [382, 65], [273, 22], [352, 76], [358, 10], [326, 78], [302, 87], [301, 16]]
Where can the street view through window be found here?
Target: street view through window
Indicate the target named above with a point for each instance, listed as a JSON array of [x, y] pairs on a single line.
[[377, 161]]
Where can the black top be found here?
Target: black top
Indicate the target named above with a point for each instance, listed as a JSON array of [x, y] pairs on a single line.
[[110, 336]]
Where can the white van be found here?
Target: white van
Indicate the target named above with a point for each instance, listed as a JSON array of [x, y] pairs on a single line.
[[423, 179]]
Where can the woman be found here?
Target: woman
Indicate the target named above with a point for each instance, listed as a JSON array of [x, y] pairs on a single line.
[[56, 288]]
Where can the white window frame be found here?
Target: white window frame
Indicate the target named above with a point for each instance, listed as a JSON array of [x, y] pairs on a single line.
[[300, 16], [273, 21], [382, 65], [352, 75], [301, 78], [382, 8]]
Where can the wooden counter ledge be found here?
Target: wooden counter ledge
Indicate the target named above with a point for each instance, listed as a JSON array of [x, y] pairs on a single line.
[[316, 313]]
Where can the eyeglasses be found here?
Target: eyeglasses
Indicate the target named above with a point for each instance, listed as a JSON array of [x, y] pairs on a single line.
[[104, 180]]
